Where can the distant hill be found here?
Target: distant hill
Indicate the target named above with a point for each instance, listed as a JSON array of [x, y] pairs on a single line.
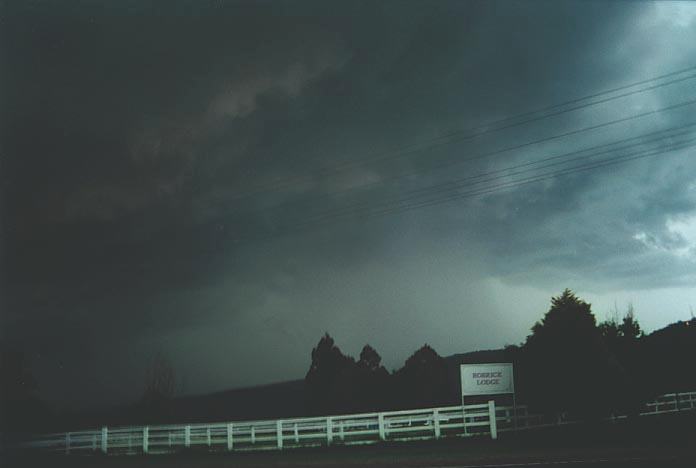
[[283, 399], [287, 399], [667, 356]]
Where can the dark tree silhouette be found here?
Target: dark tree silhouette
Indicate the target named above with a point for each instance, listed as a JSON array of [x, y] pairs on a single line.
[[629, 329], [329, 378], [422, 381], [370, 359], [610, 332], [623, 341], [372, 384], [566, 364]]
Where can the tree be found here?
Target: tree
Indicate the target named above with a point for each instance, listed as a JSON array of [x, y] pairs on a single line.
[[329, 377], [422, 381], [610, 331], [629, 329], [371, 387], [370, 359], [566, 364], [623, 338]]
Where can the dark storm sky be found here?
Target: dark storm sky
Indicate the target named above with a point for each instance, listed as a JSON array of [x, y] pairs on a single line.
[[147, 145]]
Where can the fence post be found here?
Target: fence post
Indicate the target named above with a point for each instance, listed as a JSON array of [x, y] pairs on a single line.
[[146, 437], [67, 443], [104, 439], [329, 431], [279, 433], [340, 431], [466, 431], [253, 434], [94, 442], [382, 429], [492, 419], [187, 436], [207, 436], [297, 435], [436, 423], [230, 429]]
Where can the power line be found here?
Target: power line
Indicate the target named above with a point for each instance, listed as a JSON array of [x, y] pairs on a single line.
[[495, 188], [359, 212], [552, 161], [542, 140], [552, 175], [501, 187], [451, 163], [474, 132], [535, 119], [486, 190]]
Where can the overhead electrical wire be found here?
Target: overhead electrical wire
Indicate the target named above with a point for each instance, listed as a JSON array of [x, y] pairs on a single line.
[[413, 204], [297, 228], [641, 140], [615, 161], [368, 213], [487, 154], [688, 143], [474, 132], [452, 190]]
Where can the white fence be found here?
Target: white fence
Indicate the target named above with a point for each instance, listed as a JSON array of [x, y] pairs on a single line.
[[671, 402], [366, 428]]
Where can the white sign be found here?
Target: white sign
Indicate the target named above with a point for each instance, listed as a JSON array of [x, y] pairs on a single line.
[[486, 379]]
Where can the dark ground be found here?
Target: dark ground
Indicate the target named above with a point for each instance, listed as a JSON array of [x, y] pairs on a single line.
[[651, 441]]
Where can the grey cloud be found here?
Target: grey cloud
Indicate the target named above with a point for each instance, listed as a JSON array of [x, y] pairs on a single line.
[[128, 221]]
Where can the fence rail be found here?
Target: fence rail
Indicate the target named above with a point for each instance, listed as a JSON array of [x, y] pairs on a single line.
[[350, 429]]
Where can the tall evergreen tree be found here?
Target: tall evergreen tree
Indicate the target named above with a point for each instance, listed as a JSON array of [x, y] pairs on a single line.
[[371, 386], [566, 363], [329, 378], [422, 381]]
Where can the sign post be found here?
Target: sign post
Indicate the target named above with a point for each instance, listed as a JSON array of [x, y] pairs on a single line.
[[487, 379]]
